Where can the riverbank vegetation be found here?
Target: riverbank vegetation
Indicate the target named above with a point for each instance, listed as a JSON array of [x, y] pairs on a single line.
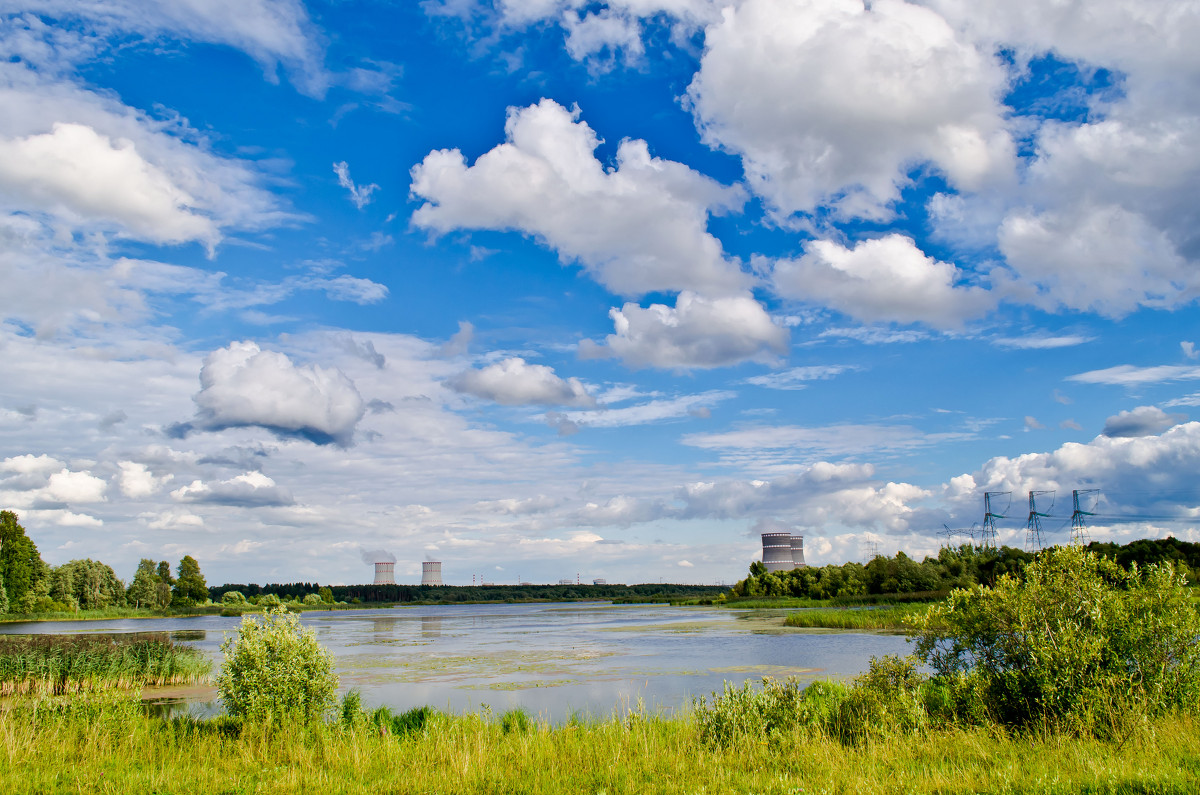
[[56, 664], [896, 618]]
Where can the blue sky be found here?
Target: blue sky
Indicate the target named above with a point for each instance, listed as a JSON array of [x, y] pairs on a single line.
[[552, 287]]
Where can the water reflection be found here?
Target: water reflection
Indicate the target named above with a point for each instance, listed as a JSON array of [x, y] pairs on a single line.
[[552, 660], [431, 626]]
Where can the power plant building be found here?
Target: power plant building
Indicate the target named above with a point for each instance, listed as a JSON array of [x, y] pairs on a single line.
[[782, 551], [431, 572], [385, 573]]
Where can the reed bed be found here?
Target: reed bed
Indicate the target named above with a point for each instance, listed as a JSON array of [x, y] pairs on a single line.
[[116, 749], [56, 664], [898, 618]]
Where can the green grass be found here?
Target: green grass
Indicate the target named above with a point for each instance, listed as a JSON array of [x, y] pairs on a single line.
[[50, 664], [776, 602], [108, 745], [898, 618]]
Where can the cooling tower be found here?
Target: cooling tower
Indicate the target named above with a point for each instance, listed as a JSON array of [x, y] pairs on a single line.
[[798, 552], [777, 551], [431, 572], [385, 573]]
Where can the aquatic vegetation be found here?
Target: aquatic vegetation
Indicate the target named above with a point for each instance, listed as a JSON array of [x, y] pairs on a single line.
[[52, 664], [899, 618]]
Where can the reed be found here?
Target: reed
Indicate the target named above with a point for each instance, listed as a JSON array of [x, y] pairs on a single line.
[[899, 618], [56, 664]]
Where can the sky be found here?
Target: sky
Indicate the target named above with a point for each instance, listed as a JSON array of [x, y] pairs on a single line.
[[547, 289]]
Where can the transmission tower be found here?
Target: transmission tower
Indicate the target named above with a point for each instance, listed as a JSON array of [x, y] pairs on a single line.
[[990, 517], [1033, 527], [870, 548], [1079, 533]]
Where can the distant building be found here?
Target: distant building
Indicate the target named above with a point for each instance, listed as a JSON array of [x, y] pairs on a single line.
[[599, 581], [782, 551], [431, 572]]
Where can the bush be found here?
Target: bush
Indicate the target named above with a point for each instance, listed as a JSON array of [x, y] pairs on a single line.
[[1078, 644], [888, 699], [516, 720], [275, 670], [233, 598], [312, 599], [776, 707]]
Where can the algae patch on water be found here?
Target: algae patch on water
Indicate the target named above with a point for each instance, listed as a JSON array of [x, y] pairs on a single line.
[[478, 670]]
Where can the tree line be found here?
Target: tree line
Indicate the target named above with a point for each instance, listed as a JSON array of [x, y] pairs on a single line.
[[29, 585], [396, 593], [954, 567]]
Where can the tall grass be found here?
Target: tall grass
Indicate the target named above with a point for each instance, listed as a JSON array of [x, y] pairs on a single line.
[[899, 618], [118, 750], [55, 664]]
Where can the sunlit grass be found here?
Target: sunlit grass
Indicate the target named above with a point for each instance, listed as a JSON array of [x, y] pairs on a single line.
[[112, 747]]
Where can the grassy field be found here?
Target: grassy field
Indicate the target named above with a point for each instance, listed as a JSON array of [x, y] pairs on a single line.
[[51, 664], [108, 745]]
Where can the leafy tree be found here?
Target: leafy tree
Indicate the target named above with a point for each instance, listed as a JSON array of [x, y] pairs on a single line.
[[326, 594], [162, 596], [275, 670], [164, 573], [312, 599], [22, 571], [141, 590], [190, 588], [86, 584], [3, 598], [233, 598]]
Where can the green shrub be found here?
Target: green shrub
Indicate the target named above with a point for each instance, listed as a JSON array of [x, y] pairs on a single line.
[[779, 706], [275, 670], [888, 699], [233, 598], [516, 720], [312, 599], [1078, 644]]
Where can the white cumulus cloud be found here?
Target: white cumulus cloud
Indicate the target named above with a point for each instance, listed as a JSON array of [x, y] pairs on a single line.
[[697, 332], [77, 173], [831, 102], [242, 385], [515, 382], [638, 227], [252, 489]]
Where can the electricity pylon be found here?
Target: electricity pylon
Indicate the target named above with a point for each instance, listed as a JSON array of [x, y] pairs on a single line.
[[1079, 533], [990, 517], [1033, 527]]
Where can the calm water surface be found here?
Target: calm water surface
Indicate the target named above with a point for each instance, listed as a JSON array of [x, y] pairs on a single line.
[[550, 659]]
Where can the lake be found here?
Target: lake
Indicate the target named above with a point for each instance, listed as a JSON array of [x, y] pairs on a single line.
[[554, 660]]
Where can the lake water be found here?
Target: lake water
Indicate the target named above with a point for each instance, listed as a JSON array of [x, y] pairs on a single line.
[[554, 660]]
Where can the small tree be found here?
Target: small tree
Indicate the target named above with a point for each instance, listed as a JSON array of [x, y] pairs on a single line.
[[275, 670], [141, 590], [190, 588]]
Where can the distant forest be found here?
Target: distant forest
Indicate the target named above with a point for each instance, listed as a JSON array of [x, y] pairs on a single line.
[[476, 593], [954, 567]]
